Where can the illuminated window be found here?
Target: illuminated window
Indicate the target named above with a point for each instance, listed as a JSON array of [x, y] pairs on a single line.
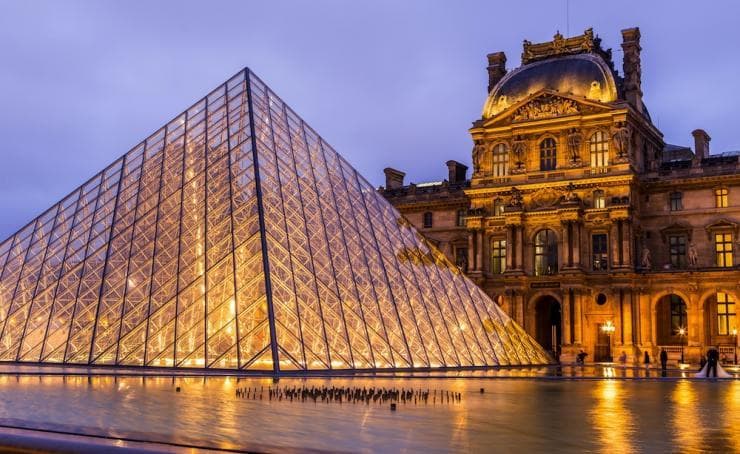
[[427, 220], [545, 253], [676, 201], [599, 147], [725, 314], [498, 256], [599, 199], [498, 207], [548, 154], [500, 161], [723, 249], [461, 218], [678, 314], [677, 250], [599, 248], [720, 197]]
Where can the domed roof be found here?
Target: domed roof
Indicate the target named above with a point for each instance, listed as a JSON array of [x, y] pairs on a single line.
[[583, 75]]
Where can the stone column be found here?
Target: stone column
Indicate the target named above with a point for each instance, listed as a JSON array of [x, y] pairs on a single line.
[[566, 254], [576, 244], [614, 245], [626, 318], [566, 318], [471, 251], [519, 247], [509, 248], [627, 243], [578, 319], [479, 251]]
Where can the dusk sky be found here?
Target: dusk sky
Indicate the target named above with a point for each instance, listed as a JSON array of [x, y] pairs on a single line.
[[387, 83]]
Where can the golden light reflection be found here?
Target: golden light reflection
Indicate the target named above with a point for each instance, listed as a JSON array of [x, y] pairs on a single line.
[[687, 426], [731, 415], [612, 420]]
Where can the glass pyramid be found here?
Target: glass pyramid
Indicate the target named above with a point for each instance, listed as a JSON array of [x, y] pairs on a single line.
[[235, 237]]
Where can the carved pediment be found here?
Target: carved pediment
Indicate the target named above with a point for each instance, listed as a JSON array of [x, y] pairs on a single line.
[[543, 105], [676, 228], [722, 224]]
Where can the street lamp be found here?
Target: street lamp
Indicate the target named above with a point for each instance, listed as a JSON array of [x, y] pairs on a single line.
[[682, 333], [608, 329], [734, 342]]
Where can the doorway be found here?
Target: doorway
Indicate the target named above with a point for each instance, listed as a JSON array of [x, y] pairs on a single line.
[[548, 322]]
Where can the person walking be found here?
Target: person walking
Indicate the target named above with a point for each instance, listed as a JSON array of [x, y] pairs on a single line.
[[663, 359], [646, 360]]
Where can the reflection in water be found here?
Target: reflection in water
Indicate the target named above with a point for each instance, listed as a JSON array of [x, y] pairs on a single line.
[[731, 419], [611, 418], [687, 426], [511, 415]]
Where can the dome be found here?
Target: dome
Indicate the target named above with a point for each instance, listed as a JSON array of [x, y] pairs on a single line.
[[582, 75]]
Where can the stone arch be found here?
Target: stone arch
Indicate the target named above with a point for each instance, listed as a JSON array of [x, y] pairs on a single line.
[[664, 316], [545, 310], [712, 333]]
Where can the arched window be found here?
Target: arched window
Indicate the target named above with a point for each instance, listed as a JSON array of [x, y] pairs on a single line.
[[678, 314], [599, 147], [548, 154], [545, 253], [500, 161]]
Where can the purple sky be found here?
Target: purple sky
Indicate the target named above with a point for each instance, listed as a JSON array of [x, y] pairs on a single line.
[[388, 83]]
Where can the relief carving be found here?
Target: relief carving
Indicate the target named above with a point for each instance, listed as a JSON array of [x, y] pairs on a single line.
[[545, 107]]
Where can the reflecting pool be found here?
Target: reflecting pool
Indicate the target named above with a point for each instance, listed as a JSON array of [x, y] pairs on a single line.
[[510, 415]]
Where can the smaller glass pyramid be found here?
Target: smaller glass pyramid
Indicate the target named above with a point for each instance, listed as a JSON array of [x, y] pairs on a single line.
[[235, 237]]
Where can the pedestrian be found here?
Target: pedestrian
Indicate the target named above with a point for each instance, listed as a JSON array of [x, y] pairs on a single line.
[[623, 359], [663, 359], [646, 360]]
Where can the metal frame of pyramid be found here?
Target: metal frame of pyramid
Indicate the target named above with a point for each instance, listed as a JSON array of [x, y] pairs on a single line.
[[235, 237]]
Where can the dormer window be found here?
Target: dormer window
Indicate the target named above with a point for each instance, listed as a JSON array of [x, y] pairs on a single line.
[[548, 154]]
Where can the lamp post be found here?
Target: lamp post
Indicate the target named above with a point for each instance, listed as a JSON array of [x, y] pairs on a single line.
[[682, 333], [734, 342], [608, 329]]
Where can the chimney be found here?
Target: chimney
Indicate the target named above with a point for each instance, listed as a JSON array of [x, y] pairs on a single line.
[[457, 172], [632, 67], [496, 68], [393, 178], [701, 144]]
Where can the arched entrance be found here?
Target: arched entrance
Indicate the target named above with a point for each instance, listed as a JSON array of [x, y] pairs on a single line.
[[548, 324], [671, 318]]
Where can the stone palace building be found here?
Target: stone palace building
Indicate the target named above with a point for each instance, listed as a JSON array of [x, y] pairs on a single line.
[[579, 220]]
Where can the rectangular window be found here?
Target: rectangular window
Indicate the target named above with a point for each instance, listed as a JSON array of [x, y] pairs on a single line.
[[720, 197], [427, 222], [600, 258], [677, 250], [725, 314], [599, 199], [461, 218], [498, 256], [461, 258], [676, 201], [498, 207], [723, 249]]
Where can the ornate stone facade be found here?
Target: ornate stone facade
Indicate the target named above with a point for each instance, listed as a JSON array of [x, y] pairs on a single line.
[[579, 215]]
